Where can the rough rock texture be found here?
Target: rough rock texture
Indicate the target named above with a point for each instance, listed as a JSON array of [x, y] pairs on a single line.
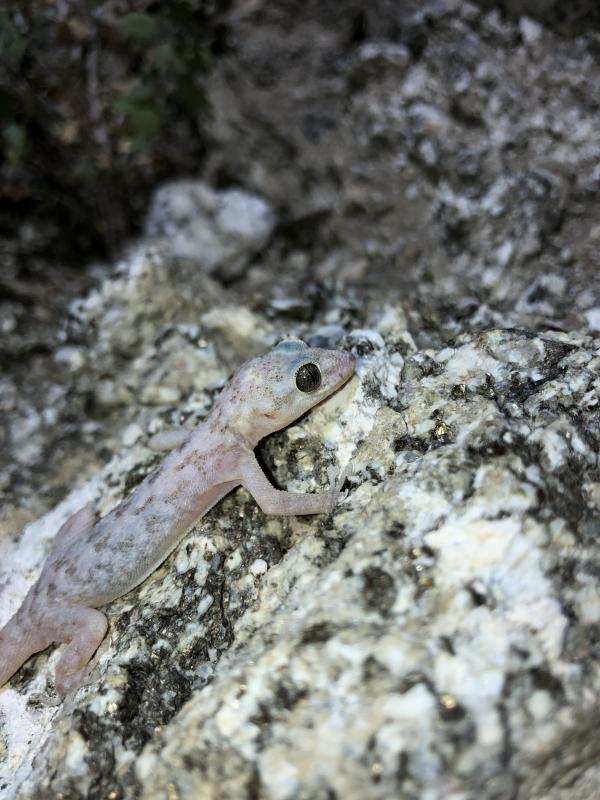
[[423, 184], [437, 636], [216, 230], [432, 146]]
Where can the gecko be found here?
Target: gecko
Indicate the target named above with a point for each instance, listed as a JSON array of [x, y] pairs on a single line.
[[91, 563]]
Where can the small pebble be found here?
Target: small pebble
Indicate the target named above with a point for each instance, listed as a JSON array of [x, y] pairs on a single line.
[[259, 567]]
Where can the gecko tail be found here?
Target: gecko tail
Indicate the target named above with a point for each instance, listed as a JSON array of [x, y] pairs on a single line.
[[17, 644]]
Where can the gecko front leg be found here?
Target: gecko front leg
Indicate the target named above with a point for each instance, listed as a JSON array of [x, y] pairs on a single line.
[[277, 501]]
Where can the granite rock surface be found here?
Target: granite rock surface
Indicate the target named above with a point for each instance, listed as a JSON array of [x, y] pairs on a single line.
[[436, 636], [417, 184]]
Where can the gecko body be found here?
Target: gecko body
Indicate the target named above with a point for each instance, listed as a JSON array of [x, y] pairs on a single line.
[[92, 563]]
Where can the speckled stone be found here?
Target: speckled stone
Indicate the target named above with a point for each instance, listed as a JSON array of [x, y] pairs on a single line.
[[435, 637], [215, 230], [438, 636]]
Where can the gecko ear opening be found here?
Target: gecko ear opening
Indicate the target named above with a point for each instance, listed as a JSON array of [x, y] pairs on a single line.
[[291, 345]]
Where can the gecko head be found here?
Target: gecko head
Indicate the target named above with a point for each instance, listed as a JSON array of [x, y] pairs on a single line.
[[280, 386]]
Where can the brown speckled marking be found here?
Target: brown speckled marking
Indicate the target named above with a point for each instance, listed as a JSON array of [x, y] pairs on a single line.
[[60, 563], [71, 569], [154, 523], [124, 546], [124, 505], [105, 567], [101, 543], [196, 458], [185, 462], [140, 509], [182, 489]]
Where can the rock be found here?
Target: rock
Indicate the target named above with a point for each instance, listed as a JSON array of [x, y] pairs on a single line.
[[436, 636], [437, 627], [218, 231]]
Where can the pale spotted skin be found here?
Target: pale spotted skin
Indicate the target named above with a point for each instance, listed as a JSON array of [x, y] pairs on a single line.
[[92, 563]]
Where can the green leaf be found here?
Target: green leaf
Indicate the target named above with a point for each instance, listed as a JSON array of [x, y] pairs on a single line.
[[15, 140], [166, 59], [12, 44], [146, 121], [140, 26], [139, 94]]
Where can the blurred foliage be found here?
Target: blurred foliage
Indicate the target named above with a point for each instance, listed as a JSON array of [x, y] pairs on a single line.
[[98, 101]]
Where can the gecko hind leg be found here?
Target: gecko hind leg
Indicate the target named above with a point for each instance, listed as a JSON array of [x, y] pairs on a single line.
[[83, 629]]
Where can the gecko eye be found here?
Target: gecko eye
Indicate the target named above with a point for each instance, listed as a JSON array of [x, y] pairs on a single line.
[[308, 378]]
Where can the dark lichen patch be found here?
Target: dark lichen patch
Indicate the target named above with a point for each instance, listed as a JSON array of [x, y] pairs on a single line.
[[487, 389], [489, 449], [379, 590], [441, 433], [519, 686], [425, 366], [100, 758], [396, 530], [155, 691], [414, 678], [318, 633], [364, 346], [591, 634], [543, 679], [479, 595], [565, 570], [372, 391], [592, 568], [564, 496], [267, 547], [586, 422], [32, 667], [288, 694], [520, 388], [458, 391], [582, 642], [450, 710], [447, 645], [373, 476], [263, 719], [333, 543], [156, 688], [405, 443], [373, 670]]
